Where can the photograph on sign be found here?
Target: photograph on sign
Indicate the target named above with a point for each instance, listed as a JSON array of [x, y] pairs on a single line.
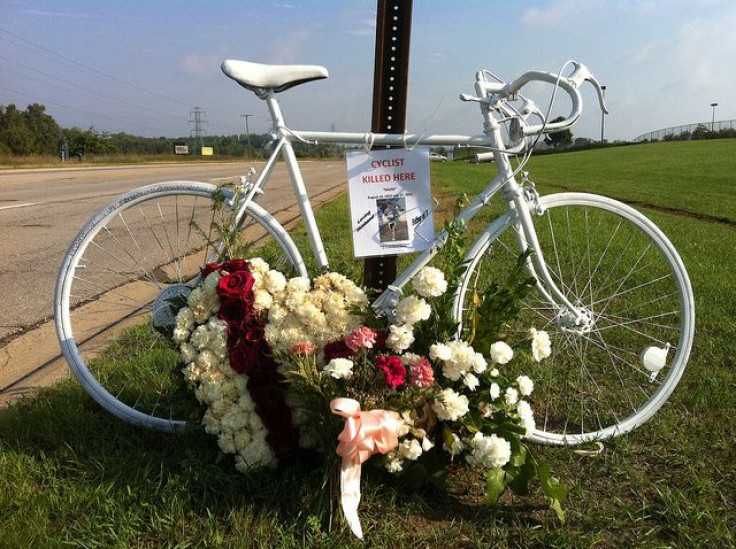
[[390, 201]]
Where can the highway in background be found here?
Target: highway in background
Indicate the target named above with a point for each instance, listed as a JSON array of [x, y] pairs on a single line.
[[40, 213], [42, 210]]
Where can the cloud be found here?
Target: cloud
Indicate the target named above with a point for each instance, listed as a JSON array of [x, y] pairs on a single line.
[[564, 13], [291, 48], [200, 64], [437, 58], [42, 13], [366, 28]]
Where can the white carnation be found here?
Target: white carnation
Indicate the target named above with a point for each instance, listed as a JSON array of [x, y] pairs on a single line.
[[207, 359], [501, 353], [479, 363], [495, 391], [200, 338], [541, 344], [526, 415], [471, 382], [258, 265], [262, 300], [298, 284], [489, 451], [185, 318], [451, 406], [410, 449], [526, 385], [511, 396], [430, 282], [440, 351], [394, 464], [412, 309], [339, 368], [400, 338], [275, 281], [180, 334]]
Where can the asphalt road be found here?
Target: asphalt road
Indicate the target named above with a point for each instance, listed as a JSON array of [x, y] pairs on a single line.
[[42, 210]]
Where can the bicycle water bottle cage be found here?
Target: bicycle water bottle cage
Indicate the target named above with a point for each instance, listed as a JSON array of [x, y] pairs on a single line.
[[258, 76]]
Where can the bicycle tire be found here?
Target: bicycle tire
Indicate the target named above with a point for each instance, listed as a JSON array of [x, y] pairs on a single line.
[[594, 385], [149, 240]]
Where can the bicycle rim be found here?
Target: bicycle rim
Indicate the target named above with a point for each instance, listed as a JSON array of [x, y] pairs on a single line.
[[117, 289], [618, 268]]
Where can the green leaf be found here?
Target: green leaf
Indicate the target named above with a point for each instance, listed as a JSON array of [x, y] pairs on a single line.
[[518, 453], [519, 484], [553, 489], [495, 485]]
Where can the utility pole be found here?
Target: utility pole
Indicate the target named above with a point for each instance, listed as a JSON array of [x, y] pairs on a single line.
[[713, 116], [247, 133], [198, 118], [390, 79], [603, 115]]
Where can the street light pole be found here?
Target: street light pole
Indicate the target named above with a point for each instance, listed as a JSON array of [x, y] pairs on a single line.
[[603, 115], [713, 117], [247, 132]]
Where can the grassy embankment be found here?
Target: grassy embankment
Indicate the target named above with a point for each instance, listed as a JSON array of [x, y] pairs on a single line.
[[71, 475]]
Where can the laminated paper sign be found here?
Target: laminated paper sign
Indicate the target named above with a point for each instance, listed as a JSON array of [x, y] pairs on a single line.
[[390, 201]]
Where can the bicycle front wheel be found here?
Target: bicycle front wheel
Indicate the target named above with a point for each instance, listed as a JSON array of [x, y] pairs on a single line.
[[612, 373], [118, 281]]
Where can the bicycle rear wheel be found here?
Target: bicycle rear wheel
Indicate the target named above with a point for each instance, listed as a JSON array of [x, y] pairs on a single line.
[[618, 268], [114, 291]]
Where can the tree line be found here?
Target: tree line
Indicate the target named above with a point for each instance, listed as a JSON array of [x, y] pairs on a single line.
[[34, 132]]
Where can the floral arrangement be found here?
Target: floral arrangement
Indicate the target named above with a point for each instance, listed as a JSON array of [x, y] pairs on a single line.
[[287, 365]]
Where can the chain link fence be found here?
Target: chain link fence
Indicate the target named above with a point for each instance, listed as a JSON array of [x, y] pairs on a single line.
[[699, 130]]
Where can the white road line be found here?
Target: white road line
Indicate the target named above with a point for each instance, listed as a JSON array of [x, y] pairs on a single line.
[[23, 205]]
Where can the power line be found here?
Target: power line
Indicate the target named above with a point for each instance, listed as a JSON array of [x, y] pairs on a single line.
[[90, 69], [88, 91], [47, 101]]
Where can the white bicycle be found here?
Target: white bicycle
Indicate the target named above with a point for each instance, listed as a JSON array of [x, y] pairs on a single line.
[[611, 290]]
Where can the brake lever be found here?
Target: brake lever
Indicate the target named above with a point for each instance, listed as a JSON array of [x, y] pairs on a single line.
[[582, 74]]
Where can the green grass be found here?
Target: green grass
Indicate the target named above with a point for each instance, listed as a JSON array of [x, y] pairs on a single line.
[[74, 476], [693, 176]]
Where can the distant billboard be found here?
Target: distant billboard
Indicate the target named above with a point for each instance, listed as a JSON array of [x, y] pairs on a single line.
[[180, 147], [207, 151]]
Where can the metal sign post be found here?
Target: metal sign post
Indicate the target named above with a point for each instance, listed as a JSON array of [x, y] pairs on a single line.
[[390, 79]]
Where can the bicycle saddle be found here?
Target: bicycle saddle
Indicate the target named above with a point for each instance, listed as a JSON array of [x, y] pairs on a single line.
[[255, 76]]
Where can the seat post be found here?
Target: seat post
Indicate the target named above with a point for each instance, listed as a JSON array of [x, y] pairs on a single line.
[[274, 108]]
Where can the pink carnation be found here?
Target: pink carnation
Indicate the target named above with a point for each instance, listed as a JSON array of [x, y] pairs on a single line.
[[421, 373], [303, 348], [360, 338]]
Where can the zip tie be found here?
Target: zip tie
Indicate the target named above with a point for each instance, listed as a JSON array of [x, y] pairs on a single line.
[[596, 452], [369, 139]]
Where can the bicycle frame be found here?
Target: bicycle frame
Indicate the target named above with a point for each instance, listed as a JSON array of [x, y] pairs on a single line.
[[518, 203]]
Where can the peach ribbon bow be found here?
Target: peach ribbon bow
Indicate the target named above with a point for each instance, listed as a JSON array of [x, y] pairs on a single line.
[[364, 434]]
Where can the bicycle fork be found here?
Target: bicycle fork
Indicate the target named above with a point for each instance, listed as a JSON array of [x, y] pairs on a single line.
[[523, 201]]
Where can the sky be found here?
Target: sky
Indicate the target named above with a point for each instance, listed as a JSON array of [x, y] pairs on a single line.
[[141, 66]]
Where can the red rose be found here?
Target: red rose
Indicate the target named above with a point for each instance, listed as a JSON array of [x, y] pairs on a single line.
[[210, 268], [236, 286], [235, 265], [394, 372], [244, 357]]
